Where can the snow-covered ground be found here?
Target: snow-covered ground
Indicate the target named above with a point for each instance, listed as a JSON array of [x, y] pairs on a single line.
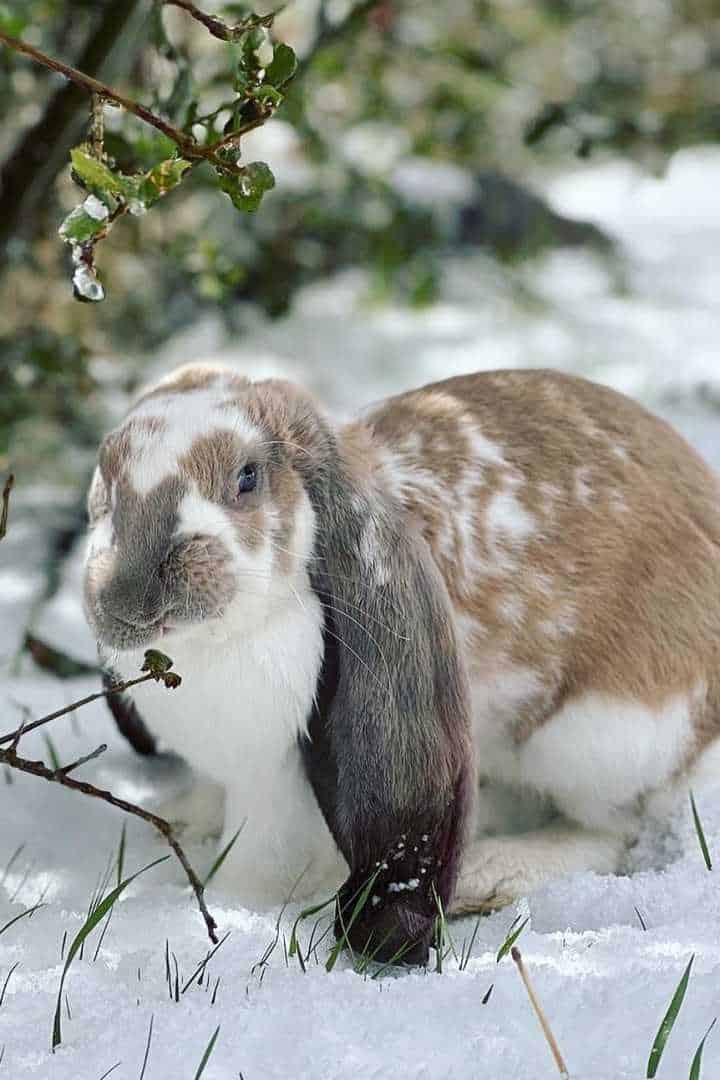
[[650, 325]]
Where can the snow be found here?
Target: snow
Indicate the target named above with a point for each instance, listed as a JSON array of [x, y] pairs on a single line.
[[649, 325]]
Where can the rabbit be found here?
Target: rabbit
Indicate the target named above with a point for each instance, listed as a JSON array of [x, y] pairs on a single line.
[[435, 656]]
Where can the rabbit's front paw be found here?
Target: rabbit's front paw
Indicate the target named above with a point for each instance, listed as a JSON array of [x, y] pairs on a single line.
[[492, 875]]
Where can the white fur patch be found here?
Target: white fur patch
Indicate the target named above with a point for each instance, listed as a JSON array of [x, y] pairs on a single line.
[[99, 537], [599, 754], [186, 417], [507, 519]]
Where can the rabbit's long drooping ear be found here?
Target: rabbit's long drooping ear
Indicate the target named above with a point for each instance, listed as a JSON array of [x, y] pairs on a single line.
[[389, 751]]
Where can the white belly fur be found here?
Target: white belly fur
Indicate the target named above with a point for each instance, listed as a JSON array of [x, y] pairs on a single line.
[[236, 717]]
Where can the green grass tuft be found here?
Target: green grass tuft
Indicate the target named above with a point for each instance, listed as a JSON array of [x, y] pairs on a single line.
[[668, 1022], [344, 941], [98, 913]]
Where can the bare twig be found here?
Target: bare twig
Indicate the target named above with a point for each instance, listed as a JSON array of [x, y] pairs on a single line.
[[217, 27], [537, 1007], [118, 688], [60, 776], [67, 769], [187, 144], [9, 484]]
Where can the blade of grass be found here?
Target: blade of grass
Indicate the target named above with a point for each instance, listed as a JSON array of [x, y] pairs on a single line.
[[467, 953], [697, 1059], [147, 1048], [700, 833], [306, 913], [17, 918], [206, 1056], [111, 1070], [222, 856], [510, 940], [10, 863], [7, 980], [668, 1022], [99, 912], [204, 963], [103, 932], [121, 852], [52, 751]]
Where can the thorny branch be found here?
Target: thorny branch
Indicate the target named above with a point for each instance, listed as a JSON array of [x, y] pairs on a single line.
[[157, 667]]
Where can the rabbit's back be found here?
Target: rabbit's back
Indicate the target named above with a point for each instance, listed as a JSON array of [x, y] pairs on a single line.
[[578, 535]]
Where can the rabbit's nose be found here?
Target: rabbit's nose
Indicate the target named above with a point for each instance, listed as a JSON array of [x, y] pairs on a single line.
[[134, 601]]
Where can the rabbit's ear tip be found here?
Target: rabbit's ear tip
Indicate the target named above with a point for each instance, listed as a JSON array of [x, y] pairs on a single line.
[[394, 935]]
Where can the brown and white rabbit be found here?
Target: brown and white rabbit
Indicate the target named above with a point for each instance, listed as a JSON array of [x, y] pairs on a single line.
[[501, 585]]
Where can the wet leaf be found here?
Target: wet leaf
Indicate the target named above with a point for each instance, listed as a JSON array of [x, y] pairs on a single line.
[[283, 67], [97, 177], [246, 190]]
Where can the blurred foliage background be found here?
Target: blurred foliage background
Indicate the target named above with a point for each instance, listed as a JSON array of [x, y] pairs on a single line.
[[393, 101]]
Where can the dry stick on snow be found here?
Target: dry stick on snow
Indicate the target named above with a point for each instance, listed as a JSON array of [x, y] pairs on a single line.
[[550, 1038]]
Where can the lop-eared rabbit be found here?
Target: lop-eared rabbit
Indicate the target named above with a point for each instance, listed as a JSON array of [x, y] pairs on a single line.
[[495, 592]]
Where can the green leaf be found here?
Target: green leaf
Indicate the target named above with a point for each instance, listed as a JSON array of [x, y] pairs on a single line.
[[246, 190], [161, 179], [668, 1022], [99, 178], [268, 95], [283, 67], [85, 222], [156, 662], [97, 914], [697, 1060], [510, 940]]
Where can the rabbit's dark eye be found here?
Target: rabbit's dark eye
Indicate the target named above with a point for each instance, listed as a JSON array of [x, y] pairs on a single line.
[[247, 479]]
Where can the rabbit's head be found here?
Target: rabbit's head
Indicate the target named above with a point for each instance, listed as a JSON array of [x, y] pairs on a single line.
[[199, 515]]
